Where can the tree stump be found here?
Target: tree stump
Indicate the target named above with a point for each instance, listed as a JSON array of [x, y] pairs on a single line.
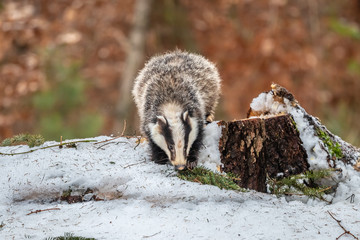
[[256, 148], [269, 144]]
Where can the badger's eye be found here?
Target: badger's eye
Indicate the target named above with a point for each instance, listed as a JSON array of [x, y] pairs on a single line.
[[171, 147]]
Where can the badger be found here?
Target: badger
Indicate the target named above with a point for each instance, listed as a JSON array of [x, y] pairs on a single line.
[[176, 94]]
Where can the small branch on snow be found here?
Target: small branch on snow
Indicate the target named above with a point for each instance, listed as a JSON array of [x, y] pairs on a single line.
[[345, 231], [51, 146], [43, 210], [109, 143], [130, 165], [106, 141], [138, 142], [352, 197], [151, 235], [121, 135]]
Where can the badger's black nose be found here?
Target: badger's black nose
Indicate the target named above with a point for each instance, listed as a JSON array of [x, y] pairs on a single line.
[[180, 167]]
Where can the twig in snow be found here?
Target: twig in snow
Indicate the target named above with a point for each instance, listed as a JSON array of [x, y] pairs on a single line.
[[138, 141], [352, 197], [43, 210], [109, 143], [130, 165], [56, 145], [107, 140], [121, 135], [152, 235], [345, 231]]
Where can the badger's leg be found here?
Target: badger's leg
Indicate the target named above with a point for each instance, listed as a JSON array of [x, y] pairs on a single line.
[[157, 154], [192, 158]]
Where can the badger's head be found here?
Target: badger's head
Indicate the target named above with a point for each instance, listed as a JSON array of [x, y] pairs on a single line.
[[175, 132]]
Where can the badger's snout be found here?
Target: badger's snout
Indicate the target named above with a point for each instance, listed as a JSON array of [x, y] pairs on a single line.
[[180, 167]]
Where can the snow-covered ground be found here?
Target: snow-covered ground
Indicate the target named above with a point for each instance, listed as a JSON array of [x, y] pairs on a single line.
[[148, 201]]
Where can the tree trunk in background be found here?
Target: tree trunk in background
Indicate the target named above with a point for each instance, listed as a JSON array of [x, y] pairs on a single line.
[[259, 147], [135, 56]]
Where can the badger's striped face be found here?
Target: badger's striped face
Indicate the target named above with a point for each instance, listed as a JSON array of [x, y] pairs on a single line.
[[175, 133]]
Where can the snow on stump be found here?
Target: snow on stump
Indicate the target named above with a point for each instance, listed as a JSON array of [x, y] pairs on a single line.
[[280, 139]]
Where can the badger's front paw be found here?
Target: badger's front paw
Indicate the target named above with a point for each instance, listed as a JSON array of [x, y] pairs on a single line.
[[191, 165]]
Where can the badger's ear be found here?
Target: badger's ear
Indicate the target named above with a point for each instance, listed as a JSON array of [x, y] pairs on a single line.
[[185, 116], [161, 121]]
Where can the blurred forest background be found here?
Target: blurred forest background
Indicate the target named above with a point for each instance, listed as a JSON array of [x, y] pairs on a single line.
[[63, 63]]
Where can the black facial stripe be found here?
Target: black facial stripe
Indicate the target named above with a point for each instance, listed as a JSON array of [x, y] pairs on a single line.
[[187, 129], [163, 124], [167, 133]]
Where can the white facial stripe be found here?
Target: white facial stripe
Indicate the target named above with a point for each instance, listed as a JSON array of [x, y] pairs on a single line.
[[179, 141], [193, 133], [179, 157], [158, 138], [173, 113], [185, 115]]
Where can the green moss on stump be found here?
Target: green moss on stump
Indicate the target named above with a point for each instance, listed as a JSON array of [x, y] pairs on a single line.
[[333, 147]]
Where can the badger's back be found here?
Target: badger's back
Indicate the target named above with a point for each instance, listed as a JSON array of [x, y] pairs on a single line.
[[188, 80]]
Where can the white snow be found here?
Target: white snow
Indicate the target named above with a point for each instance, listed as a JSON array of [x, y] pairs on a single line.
[[147, 201], [209, 157]]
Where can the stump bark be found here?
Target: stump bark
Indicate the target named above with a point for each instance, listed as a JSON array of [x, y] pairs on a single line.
[[256, 148]]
